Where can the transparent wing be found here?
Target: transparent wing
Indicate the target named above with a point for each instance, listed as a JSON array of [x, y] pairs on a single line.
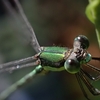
[[21, 17], [18, 64]]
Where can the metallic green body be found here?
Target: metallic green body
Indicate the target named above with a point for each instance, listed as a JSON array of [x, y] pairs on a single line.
[[52, 58]]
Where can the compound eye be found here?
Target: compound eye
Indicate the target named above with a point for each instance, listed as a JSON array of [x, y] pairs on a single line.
[[72, 66], [84, 42], [86, 59]]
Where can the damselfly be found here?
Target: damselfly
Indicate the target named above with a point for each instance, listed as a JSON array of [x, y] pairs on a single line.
[[54, 59]]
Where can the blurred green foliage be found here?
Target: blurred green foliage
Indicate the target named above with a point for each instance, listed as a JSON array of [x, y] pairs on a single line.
[[93, 13]]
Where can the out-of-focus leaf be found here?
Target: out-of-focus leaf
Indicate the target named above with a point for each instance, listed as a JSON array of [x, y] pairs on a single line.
[[93, 14]]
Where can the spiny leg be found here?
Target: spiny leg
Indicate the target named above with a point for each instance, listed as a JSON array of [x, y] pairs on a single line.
[[90, 76], [96, 58], [94, 69], [81, 86], [93, 90], [20, 83]]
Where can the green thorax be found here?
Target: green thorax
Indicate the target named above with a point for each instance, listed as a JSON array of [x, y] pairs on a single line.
[[53, 57], [53, 54]]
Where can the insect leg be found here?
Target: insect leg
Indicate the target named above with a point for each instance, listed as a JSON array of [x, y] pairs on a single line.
[[90, 76], [81, 86], [96, 58], [95, 69], [93, 90], [20, 83]]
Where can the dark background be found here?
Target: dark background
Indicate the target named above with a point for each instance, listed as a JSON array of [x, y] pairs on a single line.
[[55, 22]]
